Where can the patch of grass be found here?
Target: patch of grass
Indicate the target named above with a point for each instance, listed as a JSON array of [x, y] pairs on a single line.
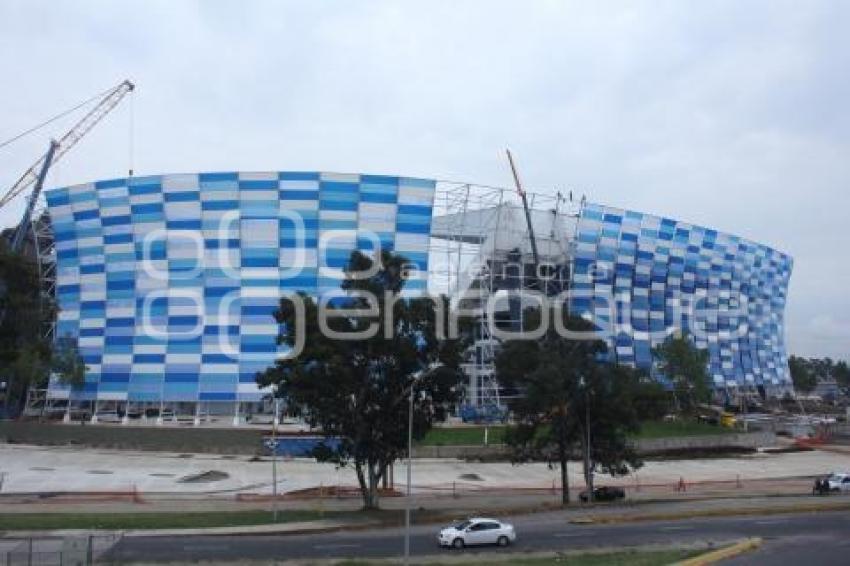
[[664, 429], [463, 436], [49, 521], [629, 558], [474, 435], [623, 558]]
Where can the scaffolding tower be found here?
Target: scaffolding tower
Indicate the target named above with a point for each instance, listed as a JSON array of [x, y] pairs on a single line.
[[482, 257]]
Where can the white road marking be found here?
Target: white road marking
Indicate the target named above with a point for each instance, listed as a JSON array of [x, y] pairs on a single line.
[[771, 522], [677, 528]]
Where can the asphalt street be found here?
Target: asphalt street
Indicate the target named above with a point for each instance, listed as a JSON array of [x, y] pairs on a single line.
[[815, 538]]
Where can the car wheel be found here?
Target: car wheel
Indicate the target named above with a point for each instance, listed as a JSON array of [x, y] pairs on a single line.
[[503, 541], [458, 543]]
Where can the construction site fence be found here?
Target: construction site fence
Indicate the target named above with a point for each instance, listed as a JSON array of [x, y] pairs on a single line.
[[460, 489], [59, 551], [632, 485]]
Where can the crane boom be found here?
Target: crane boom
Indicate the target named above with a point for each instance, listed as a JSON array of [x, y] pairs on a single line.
[[521, 193], [69, 140]]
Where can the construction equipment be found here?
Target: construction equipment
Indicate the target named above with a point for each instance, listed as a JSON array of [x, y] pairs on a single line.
[[522, 195], [24, 224], [38, 171]]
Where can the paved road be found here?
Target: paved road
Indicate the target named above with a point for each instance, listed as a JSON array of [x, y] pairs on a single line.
[[820, 538]]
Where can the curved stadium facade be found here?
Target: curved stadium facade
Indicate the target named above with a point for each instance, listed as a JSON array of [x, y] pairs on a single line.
[[727, 292], [169, 282]]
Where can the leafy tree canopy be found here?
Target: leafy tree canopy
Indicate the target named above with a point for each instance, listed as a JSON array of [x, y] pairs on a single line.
[[67, 362], [807, 372], [24, 350], [560, 385], [357, 391], [686, 366]]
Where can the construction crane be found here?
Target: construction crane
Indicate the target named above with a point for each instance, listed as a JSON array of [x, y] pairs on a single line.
[[540, 280], [37, 173], [522, 195]]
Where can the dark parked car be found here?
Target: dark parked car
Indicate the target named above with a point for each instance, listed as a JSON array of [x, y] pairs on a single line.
[[604, 493]]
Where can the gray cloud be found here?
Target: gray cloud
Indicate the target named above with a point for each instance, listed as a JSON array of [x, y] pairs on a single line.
[[728, 114]]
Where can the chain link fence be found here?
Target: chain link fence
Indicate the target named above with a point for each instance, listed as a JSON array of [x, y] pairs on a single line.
[[54, 551]]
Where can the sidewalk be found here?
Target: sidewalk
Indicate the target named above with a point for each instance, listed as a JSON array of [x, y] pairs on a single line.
[[39, 469], [466, 495]]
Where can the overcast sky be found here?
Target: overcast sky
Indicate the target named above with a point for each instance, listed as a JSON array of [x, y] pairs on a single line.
[[733, 115]]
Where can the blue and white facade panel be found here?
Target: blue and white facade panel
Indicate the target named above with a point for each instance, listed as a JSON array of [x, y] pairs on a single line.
[[169, 282], [642, 277]]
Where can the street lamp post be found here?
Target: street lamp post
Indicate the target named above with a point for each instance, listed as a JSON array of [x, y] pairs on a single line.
[[587, 442], [587, 470], [407, 498], [416, 377], [274, 461]]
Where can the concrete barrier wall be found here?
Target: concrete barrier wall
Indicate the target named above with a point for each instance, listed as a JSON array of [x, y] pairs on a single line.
[[644, 446], [165, 439], [461, 452], [249, 441], [732, 440]]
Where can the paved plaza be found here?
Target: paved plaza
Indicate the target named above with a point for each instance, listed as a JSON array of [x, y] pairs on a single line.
[[40, 469]]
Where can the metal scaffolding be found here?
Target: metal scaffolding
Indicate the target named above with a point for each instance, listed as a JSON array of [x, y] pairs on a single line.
[[482, 251]]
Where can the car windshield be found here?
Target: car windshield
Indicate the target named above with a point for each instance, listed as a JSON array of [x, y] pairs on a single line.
[[460, 525]]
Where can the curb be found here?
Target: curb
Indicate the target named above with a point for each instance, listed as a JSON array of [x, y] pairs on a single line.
[[722, 553], [507, 558], [708, 513], [295, 528]]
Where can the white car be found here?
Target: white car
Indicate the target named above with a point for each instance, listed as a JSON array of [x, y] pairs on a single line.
[[477, 530], [839, 482], [108, 417]]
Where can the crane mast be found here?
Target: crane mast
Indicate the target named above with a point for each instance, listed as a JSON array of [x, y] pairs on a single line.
[[23, 225]]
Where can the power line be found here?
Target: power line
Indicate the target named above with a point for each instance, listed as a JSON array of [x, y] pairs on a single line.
[[54, 118]]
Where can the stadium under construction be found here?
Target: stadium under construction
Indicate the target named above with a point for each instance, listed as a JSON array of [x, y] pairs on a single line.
[[167, 283]]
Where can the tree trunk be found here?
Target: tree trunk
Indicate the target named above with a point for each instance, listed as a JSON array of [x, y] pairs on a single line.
[[374, 484], [368, 502], [587, 467], [677, 408], [369, 476], [565, 477], [7, 402]]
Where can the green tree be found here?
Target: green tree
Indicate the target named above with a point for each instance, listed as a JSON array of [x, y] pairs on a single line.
[[67, 363], [561, 387], [614, 400], [357, 391], [686, 366], [24, 314], [841, 372], [803, 375], [29, 368]]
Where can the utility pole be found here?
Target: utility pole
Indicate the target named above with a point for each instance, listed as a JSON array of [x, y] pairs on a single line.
[[588, 473], [274, 462], [587, 452], [407, 498]]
